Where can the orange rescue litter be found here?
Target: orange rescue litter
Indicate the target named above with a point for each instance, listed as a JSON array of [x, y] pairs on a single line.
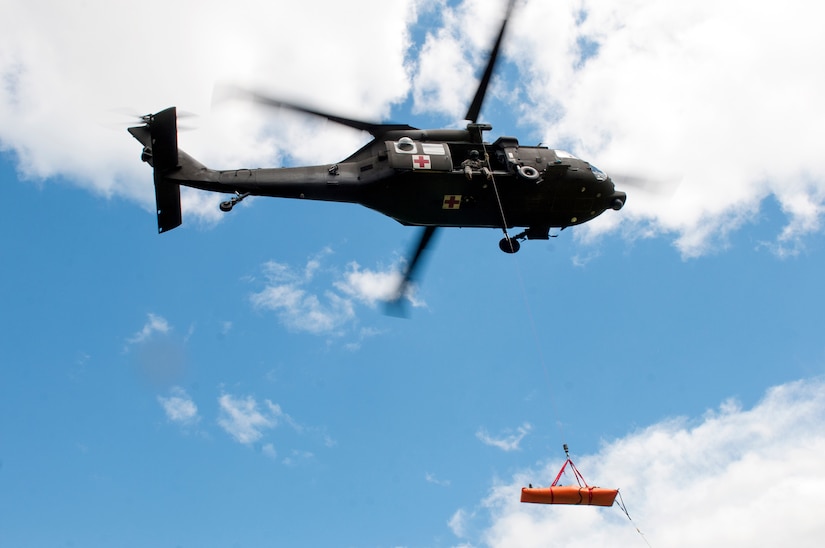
[[569, 494]]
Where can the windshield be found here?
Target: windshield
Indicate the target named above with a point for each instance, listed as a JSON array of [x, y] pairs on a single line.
[[600, 175]]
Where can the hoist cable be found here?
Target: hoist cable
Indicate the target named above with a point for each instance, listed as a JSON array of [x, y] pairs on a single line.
[[498, 198], [579, 478], [537, 344]]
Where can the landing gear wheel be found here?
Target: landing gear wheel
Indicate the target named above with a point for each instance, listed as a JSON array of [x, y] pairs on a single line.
[[509, 245]]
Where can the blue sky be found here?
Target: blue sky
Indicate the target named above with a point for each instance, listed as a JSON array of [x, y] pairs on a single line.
[[235, 383]]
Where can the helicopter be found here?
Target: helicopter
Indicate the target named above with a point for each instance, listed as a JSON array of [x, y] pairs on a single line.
[[431, 178]]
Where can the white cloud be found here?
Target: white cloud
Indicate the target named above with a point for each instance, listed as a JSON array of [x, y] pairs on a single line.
[[62, 76], [244, 420], [160, 358], [179, 407], [290, 293], [297, 457], [154, 324], [363, 334], [370, 286], [733, 478], [299, 309], [724, 99], [715, 96], [508, 441], [431, 478], [453, 55], [458, 523]]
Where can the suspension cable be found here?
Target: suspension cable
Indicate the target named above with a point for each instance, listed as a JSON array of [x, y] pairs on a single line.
[[623, 508], [498, 197], [545, 367]]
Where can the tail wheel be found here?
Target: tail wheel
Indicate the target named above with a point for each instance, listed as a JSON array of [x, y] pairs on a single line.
[[229, 204]]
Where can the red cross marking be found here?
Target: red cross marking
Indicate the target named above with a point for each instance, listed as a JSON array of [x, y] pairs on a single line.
[[451, 202], [422, 161]]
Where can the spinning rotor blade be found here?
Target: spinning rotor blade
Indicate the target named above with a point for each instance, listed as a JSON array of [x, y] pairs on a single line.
[[395, 306], [663, 186], [120, 117], [234, 92], [475, 106]]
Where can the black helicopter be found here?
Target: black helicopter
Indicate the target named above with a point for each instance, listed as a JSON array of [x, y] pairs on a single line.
[[428, 178]]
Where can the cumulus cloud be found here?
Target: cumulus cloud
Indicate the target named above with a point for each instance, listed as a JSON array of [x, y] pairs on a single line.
[[458, 523], [300, 306], [66, 78], [719, 99], [508, 440], [179, 407], [243, 419], [154, 325], [370, 286], [246, 420], [734, 477], [453, 54], [712, 101]]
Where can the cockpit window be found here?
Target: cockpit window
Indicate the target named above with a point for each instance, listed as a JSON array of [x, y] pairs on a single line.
[[600, 175]]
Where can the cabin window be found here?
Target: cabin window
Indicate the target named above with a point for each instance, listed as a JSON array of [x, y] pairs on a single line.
[[405, 144]]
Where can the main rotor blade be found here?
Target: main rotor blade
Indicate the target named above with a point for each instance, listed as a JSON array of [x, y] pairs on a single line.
[[225, 91], [395, 307], [661, 185], [475, 106]]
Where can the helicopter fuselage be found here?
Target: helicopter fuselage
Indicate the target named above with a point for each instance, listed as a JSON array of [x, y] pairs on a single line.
[[417, 178], [428, 178]]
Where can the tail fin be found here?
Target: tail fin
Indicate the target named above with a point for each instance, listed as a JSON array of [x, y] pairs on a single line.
[[160, 149]]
